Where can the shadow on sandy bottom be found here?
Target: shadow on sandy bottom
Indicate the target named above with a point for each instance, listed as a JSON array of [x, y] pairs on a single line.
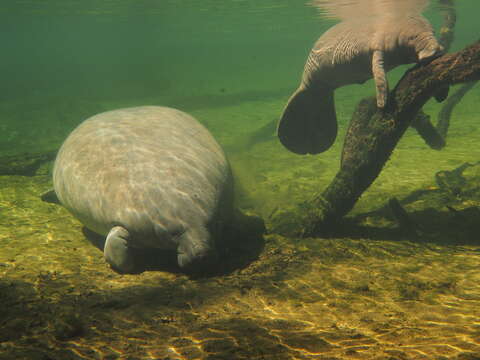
[[445, 214], [67, 317], [353, 297], [333, 300], [242, 243], [432, 216]]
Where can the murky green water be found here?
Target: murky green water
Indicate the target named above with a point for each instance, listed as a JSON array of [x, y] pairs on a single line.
[[370, 292], [66, 60], [165, 52]]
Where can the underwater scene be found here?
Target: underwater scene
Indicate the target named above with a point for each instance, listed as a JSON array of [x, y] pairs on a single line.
[[340, 222]]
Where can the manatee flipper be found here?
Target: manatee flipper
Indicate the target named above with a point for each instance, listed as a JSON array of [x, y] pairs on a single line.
[[50, 196], [427, 51], [194, 252], [380, 78], [309, 123], [116, 251]]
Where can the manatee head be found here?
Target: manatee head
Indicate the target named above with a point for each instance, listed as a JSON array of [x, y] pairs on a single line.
[[418, 38], [430, 50]]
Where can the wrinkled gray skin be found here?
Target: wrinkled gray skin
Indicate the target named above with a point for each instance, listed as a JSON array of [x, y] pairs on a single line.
[[146, 177], [350, 52]]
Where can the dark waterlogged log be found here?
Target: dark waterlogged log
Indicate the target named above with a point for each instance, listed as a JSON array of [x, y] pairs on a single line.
[[445, 114], [26, 164], [372, 136], [432, 135], [427, 131]]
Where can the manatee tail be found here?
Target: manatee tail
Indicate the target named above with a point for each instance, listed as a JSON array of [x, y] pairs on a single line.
[[309, 123]]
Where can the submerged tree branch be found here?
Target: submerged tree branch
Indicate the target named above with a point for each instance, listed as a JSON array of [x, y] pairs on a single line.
[[446, 113], [431, 134], [372, 136]]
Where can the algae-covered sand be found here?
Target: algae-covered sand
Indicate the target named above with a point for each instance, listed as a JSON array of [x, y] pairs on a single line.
[[372, 292]]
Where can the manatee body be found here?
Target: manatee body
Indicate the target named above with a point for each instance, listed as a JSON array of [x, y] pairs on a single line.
[[351, 52], [146, 177]]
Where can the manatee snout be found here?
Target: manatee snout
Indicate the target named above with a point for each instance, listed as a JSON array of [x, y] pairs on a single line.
[[430, 52]]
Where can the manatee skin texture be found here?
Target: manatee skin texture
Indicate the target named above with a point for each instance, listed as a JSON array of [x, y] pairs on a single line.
[[147, 177], [350, 52]]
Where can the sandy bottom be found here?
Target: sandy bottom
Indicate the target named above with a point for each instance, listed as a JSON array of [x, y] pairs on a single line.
[[373, 292]]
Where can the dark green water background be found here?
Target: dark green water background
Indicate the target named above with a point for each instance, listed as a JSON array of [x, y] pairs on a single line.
[[137, 49], [59, 56]]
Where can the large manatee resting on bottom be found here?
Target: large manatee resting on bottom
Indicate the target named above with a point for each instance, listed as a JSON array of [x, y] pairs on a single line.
[[373, 37], [146, 177]]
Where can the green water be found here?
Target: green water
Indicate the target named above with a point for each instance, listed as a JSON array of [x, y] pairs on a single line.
[[163, 52], [65, 60], [231, 64], [372, 292]]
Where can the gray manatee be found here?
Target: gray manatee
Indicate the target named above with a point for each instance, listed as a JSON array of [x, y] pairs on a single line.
[[353, 51], [147, 177]]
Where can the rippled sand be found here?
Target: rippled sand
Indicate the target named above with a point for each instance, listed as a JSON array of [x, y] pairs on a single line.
[[356, 297]]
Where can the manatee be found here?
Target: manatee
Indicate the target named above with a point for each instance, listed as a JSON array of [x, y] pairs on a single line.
[[373, 37], [147, 178]]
